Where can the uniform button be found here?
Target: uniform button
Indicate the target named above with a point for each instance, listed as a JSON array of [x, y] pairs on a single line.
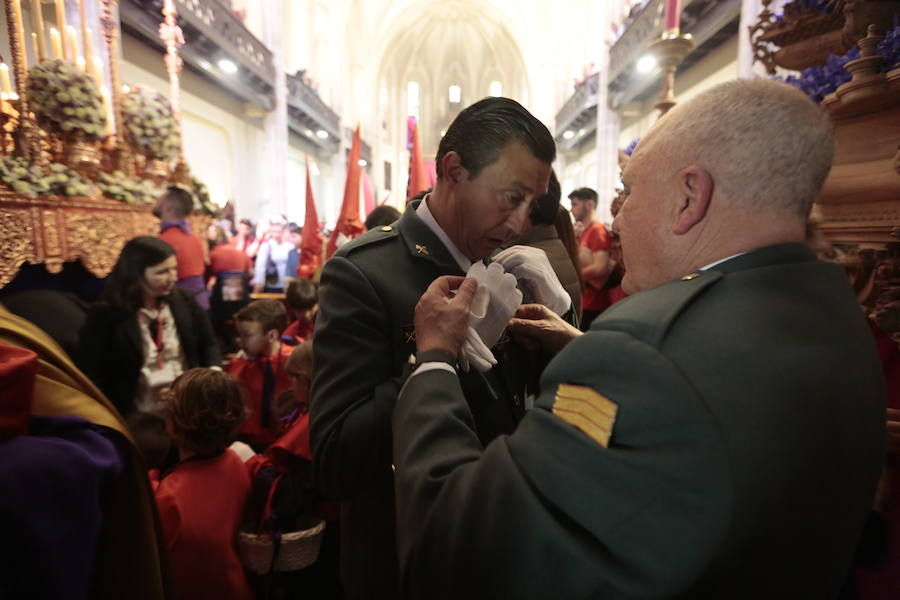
[[691, 276], [386, 228]]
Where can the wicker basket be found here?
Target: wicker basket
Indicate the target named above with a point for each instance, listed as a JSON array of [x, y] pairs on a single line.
[[298, 549]]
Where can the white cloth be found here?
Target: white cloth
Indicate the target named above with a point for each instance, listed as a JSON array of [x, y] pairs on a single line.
[[495, 302], [531, 266], [161, 365]]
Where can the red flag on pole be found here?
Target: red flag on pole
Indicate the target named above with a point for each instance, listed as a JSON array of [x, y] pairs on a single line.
[[418, 176], [310, 239], [368, 194], [348, 224]]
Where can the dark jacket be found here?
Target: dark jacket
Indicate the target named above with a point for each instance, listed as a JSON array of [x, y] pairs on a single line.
[[746, 444], [364, 336], [111, 354]]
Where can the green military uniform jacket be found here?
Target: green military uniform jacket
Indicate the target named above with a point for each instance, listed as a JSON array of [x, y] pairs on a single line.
[[744, 452], [364, 336]]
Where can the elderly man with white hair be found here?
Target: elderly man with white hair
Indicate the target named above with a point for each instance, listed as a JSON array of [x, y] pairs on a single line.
[[718, 434]]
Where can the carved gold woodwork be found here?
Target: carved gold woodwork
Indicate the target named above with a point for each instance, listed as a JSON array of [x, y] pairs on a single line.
[[93, 231]]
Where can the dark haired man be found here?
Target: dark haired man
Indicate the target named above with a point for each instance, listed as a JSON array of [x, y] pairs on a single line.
[[172, 209], [492, 163], [594, 244]]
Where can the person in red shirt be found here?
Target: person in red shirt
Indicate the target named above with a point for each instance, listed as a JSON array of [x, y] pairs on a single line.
[[223, 257], [173, 208], [260, 367], [594, 252], [202, 499], [302, 299]]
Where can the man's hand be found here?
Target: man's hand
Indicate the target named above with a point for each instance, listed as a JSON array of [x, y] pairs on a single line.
[[536, 326], [893, 430], [442, 318]]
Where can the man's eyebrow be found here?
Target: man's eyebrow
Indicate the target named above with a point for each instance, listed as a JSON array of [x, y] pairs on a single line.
[[518, 185]]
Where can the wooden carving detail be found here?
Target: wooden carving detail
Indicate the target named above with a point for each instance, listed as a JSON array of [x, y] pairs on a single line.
[[15, 250]]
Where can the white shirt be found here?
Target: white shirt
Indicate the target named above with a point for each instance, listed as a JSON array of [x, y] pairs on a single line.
[[425, 214], [163, 357]]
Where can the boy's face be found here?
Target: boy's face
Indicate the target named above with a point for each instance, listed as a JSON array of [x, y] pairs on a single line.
[[253, 340]]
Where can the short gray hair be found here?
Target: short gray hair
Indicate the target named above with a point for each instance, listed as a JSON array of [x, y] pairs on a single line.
[[766, 145]]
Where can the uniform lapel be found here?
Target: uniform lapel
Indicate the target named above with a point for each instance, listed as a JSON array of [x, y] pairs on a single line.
[[423, 244]]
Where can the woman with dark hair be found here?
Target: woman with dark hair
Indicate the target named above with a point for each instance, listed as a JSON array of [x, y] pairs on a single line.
[[145, 331]]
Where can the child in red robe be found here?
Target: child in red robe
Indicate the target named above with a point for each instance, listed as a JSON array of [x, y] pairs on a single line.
[[302, 301], [260, 367], [202, 499]]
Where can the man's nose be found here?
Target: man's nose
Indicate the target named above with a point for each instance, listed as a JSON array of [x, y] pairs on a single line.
[[518, 220]]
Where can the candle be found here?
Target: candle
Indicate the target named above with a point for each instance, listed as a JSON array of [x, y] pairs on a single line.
[[37, 47], [81, 64], [61, 22], [56, 42], [20, 30], [88, 43], [4, 79], [97, 70], [71, 43], [672, 16], [5, 108], [37, 20], [107, 110]]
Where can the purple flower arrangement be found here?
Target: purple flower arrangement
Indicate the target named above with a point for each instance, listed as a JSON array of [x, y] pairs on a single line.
[[818, 82]]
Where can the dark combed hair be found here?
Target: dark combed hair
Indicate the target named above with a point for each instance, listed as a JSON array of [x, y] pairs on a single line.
[[123, 286], [301, 294], [481, 131], [544, 210], [270, 314], [206, 408], [180, 199], [584, 193], [381, 215]]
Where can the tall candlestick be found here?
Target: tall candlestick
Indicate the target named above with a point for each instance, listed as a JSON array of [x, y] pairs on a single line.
[[37, 21], [4, 79], [20, 30], [61, 23], [72, 43], [56, 42], [672, 17], [36, 46]]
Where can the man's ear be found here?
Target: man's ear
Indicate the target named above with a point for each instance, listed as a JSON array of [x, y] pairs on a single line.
[[452, 167], [695, 188]]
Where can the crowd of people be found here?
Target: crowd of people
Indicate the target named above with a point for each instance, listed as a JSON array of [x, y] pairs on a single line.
[[487, 395]]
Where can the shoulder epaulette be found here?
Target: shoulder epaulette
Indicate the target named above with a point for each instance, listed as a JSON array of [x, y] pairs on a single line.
[[373, 236], [647, 315]]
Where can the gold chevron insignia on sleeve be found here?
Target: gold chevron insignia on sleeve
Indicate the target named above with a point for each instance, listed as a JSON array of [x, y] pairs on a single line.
[[583, 408]]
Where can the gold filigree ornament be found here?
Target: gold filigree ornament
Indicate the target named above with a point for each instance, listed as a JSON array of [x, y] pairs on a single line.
[[15, 250]]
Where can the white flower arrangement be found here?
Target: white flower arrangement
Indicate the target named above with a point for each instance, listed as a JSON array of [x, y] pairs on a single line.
[[150, 124], [65, 100]]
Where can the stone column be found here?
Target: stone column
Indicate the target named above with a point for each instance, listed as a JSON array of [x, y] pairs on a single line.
[[607, 121], [274, 161]]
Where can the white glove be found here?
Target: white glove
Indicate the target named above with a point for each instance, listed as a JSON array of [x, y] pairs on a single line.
[[495, 302], [476, 354], [531, 266]]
